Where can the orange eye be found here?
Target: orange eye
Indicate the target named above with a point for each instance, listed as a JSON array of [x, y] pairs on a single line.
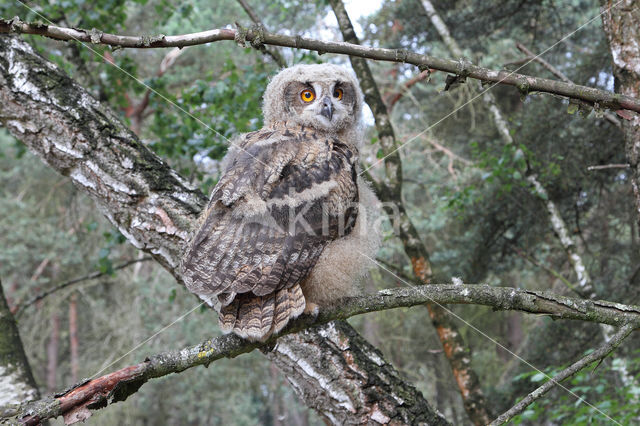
[[337, 93], [307, 95]]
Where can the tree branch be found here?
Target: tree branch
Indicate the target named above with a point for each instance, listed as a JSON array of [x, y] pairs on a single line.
[[596, 355], [117, 386], [66, 284], [16, 380], [523, 82], [608, 166]]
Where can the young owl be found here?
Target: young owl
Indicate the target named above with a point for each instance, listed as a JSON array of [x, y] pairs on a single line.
[[290, 224]]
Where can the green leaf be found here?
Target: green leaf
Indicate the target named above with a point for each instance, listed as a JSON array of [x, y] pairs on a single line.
[[538, 377]]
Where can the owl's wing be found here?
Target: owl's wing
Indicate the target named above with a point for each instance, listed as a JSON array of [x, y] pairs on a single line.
[[263, 230]]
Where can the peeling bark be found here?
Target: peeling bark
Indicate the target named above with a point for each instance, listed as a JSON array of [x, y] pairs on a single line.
[[148, 202]]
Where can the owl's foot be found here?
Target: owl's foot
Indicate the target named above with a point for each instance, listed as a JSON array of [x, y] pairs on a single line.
[[311, 309]]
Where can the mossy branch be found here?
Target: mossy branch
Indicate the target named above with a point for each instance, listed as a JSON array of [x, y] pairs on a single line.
[[76, 403]]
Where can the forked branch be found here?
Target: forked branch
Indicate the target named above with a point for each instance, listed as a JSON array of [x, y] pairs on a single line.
[[76, 403]]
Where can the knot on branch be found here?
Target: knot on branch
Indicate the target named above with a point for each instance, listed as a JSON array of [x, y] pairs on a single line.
[[146, 41], [523, 86], [298, 41], [462, 71], [253, 35], [241, 35], [462, 67], [96, 36], [402, 55], [15, 24]]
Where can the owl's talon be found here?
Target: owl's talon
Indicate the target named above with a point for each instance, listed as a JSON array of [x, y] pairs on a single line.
[[311, 309]]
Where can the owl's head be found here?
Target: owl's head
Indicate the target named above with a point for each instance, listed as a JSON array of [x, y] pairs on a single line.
[[326, 97]]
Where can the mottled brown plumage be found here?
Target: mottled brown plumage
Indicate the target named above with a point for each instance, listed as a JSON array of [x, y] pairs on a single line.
[[287, 192]]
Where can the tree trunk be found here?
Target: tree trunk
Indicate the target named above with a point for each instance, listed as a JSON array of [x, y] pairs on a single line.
[[16, 381], [148, 202], [52, 353], [347, 380], [621, 21], [456, 350]]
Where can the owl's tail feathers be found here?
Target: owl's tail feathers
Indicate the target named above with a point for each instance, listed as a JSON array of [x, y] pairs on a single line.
[[256, 318]]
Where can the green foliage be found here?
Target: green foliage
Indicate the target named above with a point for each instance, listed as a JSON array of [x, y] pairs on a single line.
[[217, 107], [595, 390]]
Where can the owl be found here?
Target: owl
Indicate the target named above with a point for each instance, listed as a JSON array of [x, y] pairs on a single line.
[[290, 226]]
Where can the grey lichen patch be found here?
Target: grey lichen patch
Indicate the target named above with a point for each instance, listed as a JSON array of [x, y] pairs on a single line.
[[95, 35], [148, 41], [48, 407]]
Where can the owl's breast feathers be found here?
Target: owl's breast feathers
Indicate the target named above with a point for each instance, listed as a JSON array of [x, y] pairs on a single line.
[[286, 193]]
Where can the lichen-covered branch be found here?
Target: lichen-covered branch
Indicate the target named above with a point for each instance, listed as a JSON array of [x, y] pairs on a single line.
[[523, 82], [340, 371], [16, 381], [584, 362], [61, 286], [148, 202]]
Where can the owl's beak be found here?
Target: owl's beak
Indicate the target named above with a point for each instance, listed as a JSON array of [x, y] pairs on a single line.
[[327, 108]]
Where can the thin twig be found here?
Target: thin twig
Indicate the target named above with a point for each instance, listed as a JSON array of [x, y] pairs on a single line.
[[524, 82], [552, 271], [608, 166], [397, 271], [66, 284], [393, 98], [596, 355]]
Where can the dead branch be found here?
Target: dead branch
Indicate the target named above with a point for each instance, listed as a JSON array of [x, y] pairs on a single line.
[[76, 404]]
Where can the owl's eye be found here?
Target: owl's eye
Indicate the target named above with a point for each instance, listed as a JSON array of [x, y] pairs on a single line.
[[307, 95], [337, 93]]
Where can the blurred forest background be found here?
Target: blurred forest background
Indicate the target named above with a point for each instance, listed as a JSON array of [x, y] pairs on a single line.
[[465, 189]]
